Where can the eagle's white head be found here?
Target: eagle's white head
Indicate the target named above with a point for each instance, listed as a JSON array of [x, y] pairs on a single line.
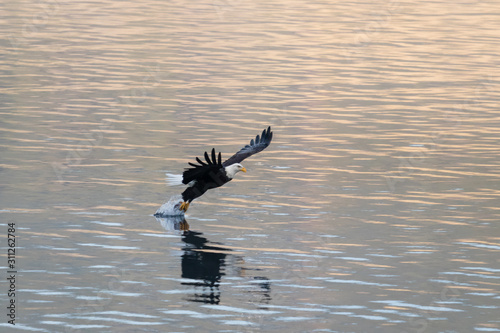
[[233, 169]]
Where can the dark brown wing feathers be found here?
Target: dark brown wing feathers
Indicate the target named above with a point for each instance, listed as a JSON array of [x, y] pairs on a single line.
[[259, 144], [214, 163]]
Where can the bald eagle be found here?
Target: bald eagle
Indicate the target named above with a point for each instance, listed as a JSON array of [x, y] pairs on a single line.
[[212, 172]]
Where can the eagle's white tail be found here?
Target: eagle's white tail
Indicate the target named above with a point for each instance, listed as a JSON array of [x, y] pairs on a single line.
[[173, 180]]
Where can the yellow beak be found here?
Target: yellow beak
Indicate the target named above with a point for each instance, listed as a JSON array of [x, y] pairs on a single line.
[[243, 169]]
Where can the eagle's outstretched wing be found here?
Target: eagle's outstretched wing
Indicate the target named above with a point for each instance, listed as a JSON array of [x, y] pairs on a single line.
[[259, 144], [200, 171]]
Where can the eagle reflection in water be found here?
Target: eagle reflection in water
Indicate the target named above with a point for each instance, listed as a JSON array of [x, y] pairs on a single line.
[[206, 263]]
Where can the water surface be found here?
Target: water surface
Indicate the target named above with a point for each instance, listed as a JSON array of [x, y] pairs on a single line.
[[375, 209]]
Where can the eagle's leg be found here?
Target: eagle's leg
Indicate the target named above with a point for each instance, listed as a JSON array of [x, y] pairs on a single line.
[[184, 206]]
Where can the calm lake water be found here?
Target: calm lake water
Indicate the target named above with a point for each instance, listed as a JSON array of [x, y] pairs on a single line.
[[375, 209]]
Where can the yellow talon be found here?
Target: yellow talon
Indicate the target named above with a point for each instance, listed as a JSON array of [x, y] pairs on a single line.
[[184, 206]]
